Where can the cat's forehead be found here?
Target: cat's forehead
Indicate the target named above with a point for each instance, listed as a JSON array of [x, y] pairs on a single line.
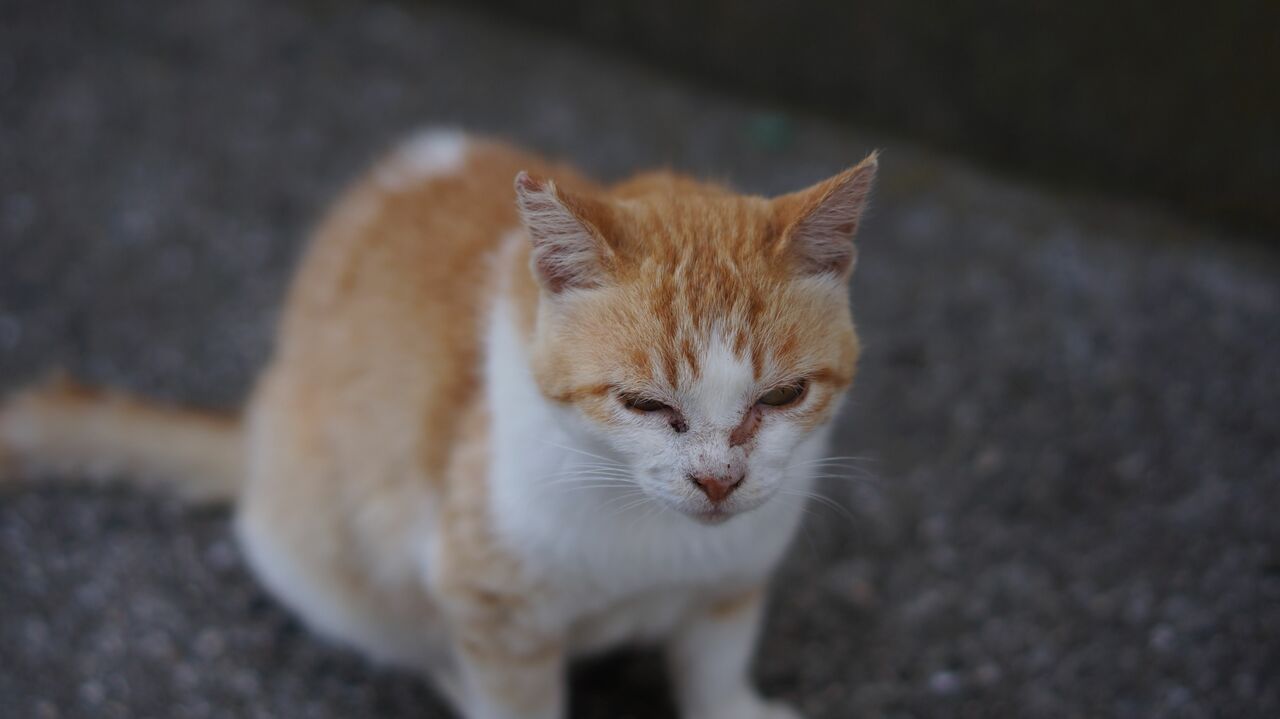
[[695, 232], [679, 328]]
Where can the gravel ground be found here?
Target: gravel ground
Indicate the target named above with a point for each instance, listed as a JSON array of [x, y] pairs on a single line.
[[1069, 407]]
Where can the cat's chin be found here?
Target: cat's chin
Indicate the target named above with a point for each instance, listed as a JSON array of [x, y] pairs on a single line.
[[712, 517], [716, 515]]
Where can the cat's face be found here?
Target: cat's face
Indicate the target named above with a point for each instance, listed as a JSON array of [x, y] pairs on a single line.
[[702, 335]]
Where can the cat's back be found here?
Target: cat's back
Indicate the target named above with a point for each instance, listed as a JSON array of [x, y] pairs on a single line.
[[381, 330], [410, 239]]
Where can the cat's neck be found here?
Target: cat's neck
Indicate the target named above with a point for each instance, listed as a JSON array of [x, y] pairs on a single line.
[[516, 291]]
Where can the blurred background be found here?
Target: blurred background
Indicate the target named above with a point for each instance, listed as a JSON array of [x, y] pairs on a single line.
[[1068, 412]]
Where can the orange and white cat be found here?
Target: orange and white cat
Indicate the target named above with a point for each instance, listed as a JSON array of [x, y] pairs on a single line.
[[501, 429]]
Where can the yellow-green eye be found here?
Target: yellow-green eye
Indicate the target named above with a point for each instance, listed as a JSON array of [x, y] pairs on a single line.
[[783, 396], [643, 404]]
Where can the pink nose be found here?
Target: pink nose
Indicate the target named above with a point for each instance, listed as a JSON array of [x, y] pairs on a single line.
[[716, 487]]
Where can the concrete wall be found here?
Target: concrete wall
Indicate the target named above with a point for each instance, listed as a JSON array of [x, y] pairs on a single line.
[[1177, 101]]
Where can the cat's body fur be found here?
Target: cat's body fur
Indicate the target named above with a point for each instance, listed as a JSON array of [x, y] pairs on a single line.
[[419, 475]]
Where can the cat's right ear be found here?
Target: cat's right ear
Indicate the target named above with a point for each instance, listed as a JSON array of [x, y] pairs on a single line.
[[568, 250]]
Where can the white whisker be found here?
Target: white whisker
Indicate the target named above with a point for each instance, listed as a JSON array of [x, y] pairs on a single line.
[[583, 452], [620, 481], [851, 460], [821, 499], [864, 479], [587, 473], [612, 488], [645, 515], [628, 506]]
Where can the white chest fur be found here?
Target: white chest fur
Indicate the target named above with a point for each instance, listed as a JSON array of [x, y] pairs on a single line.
[[602, 544]]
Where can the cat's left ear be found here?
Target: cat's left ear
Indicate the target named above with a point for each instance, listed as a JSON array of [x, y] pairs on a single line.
[[821, 220], [569, 250]]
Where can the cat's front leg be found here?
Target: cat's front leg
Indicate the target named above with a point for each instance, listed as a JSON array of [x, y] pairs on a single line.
[[710, 661], [506, 664], [507, 676]]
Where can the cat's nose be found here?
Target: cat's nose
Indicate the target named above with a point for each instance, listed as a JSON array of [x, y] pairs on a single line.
[[717, 487]]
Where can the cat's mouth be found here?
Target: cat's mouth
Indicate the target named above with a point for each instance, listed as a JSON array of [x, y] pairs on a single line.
[[719, 513], [713, 516]]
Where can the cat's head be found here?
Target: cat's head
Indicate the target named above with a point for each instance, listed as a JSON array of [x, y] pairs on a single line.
[[702, 335]]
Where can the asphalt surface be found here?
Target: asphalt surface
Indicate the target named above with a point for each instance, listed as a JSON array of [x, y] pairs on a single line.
[[1069, 407]]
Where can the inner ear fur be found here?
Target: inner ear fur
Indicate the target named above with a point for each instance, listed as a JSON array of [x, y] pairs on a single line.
[[820, 221], [569, 249]]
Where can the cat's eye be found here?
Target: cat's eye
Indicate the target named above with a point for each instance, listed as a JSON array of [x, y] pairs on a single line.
[[782, 396], [643, 404]]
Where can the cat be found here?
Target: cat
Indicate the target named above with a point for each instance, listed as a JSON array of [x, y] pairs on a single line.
[[502, 429]]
